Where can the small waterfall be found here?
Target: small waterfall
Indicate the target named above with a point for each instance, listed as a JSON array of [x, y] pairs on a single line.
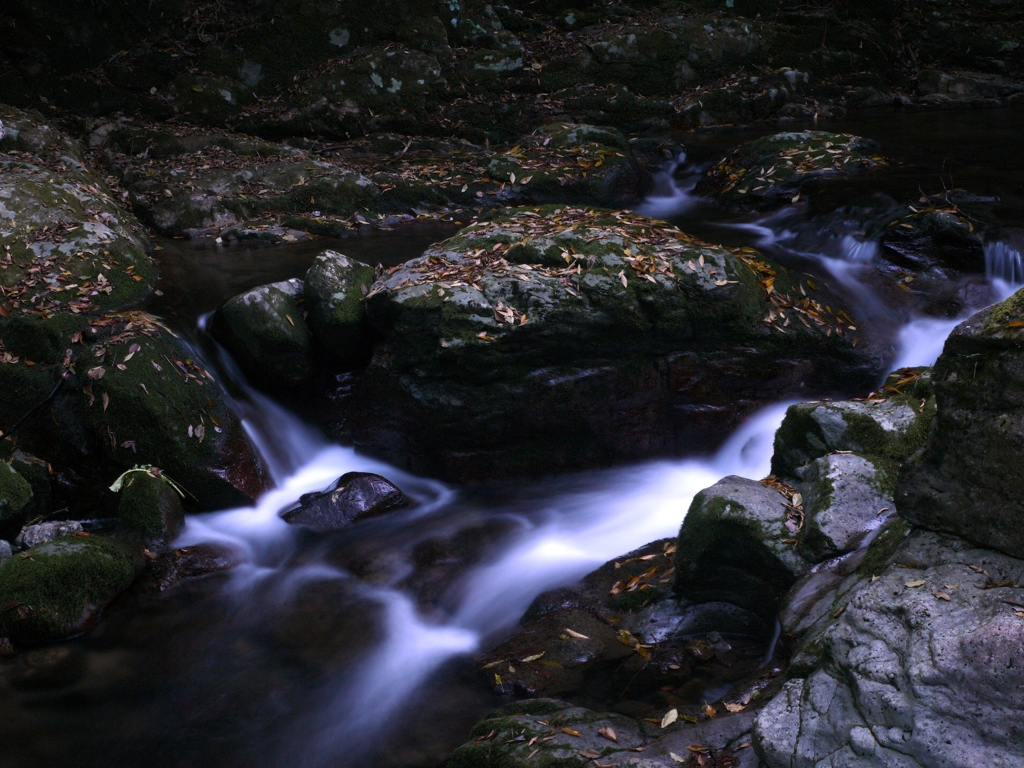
[[670, 198], [1004, 262]]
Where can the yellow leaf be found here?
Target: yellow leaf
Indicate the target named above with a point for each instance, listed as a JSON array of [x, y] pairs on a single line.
[[670, 717], [734, 708], [536, 656]]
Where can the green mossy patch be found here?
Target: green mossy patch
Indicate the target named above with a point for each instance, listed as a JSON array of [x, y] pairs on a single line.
[[54, 590], [150, 511], [883, 547], [15, 495], [335, 287]]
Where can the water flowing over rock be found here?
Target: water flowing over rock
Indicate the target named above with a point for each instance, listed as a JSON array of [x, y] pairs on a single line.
[[555, 338], [354, 496], [965, 479]]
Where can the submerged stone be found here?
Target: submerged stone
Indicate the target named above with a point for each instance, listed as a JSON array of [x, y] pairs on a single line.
[[55, 590], [354, 496]]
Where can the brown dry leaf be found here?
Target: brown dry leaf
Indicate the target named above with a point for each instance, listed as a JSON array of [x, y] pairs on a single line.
[[96, 373], [710, 711], [569, 732], [590, 754], [670, 717], [917, 583], [608, 732], [535, 656], [734, 708], [942, 595], [577, 635], [698, 748], [106, 401]]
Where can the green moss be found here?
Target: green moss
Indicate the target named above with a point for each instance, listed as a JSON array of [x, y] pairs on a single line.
[[883, 547], [1001, 315], [51, 591], [150, 510], [15, 495], [334, 288], [888, 451], [634, 601]]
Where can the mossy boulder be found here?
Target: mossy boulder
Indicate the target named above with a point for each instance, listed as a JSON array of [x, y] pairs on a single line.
[[736, 546], [151, 401], [15, 497], [335, 291], [558, 337], [965, 479], [266, 333], [770, 171], [888, 426], [846, 498], [55, 590], [209, 100], [150, 511]]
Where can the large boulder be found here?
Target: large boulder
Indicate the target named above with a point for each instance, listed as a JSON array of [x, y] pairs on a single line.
[[965, 479], [265, 330], [770, 171], [15, 497], [552, 338], [86, 382], [920, 669], [55, 590], [931, 239]]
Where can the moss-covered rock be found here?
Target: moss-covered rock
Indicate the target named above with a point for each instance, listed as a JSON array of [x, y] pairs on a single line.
[[845, 499], [887, 427], [55, 590], [736, 546], [932, 239], [209, 100], [964, 480], [265, 330], [558, 337], [15, 497], [770, 171], [149, 512], [335, 291]]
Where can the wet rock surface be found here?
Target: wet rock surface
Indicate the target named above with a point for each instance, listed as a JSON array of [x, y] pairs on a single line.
[[518, 324], [971, 456], [353, 497]]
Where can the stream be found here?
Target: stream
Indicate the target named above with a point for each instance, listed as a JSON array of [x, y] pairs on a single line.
[[355, 649]]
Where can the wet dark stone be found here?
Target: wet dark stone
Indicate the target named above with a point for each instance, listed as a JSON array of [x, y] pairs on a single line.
[[354, 496], [174, 567]]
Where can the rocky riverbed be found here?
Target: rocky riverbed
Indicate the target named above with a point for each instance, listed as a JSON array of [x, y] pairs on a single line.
[[416, 383]]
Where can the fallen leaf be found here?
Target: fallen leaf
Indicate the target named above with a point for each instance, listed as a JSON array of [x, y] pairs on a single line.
[[734, 708], [609, 733], [590, 754], [536, 656], [670, 717], [106, 401], [710, 711], [573, 633], [915, 584], [569, 732], [942, 595], [676, 757]]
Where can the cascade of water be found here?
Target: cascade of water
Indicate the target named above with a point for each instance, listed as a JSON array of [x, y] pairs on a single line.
[[1004, 262], [670, 198]]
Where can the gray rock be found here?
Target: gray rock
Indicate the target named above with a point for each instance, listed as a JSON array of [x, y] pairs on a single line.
[[844, 499], [735, 547], [966, 480], [33, 535], [884, 427], [335, 287], [920, 670], [5, 551], [264, 329], [354, 496]]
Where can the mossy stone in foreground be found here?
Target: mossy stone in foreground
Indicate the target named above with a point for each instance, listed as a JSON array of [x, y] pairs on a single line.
[[15, 494], [53, 591], [150, 510]]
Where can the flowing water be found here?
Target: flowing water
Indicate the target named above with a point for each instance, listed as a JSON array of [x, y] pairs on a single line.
[[351, 649]]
